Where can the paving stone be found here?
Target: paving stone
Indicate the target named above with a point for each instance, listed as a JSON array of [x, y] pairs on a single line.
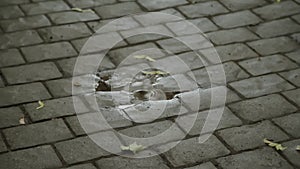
[[283, 27], [65, 32], [238, 137], [89, 3], [25, 136], [30, 22], [122, 55], [152, 19], [187, 27], [9, 2], [85, 65], [191, 59], [117, 10], [290, 153], [147, 131], [232, 35], [235, 5], [144, 34], [151, 110], [277, 10], [23, 93], [48, 51], [82, 166], [289, 124], [292, 76], [127, 23], [267, 64], [294, 56], [236, 19], [160, 4], [18, 39], [72, 16], [190, 151], [45, 7], [204, 24], [293, 95], [189, 98], [261, 108], [10, 116], [210, 76], [2, 145], [55, 108], [297, 18], [10, 57], [274, 45], [79, 43], [80, 149], [296, 37], [258, 86], [115, 119], [207, 165], [264, 158], [203, 9], [228, 120], [9, 12], [193, 42], [132, 163], [39, 157], [31, 73]]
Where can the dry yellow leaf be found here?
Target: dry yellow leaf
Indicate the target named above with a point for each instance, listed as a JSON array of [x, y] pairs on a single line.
[[41, 105], [298, 148], [82, 10], [22, 120], [276, 145], [133, 148], [144, 57], [154, 72]]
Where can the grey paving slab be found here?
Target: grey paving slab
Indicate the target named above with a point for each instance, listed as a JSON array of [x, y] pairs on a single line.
[[89, 3], [238, 137], [289, 123], [2, 145], [203, 9], [190, 151], [293, 95], [283, 27], [8, 2], [25, 136], [292, 76], [48, 51], [9, 12], [277, 10], [265, 107], [264, 158], [31, 73], [17, 39], [294, 56], [117, 10], [39, 157], [30, 22], [262, 85], [65, 32], [290, 153], [236, 19], [82, 166], [45, 7], [131, 163], [23, 93], [10, 57], [235, 5], [160, 4], [267, 64], [72, 16], [10, 116], [274, 45], [207, 165]]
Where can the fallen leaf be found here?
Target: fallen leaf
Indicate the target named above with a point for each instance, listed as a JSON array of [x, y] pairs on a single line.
[[144, 57], [154, 72], [22, 120], [298, 148], [133, 148], [82, 10], [276, 145], [41, 105]]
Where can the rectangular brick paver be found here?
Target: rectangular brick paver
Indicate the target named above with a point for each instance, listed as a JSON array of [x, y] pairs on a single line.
[[17, 39], [31, 73], [261, 85], [289, 124], [89, 3], [23, 93], [25, 136], [160, 4], [45, 7], [117, 10], [72, 16], [10, 57], [235, 5], [39, 157], [9, 12], [292, 76], [10, 116]]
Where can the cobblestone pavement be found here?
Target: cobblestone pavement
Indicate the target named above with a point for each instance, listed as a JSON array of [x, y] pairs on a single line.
[[257, 40]]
